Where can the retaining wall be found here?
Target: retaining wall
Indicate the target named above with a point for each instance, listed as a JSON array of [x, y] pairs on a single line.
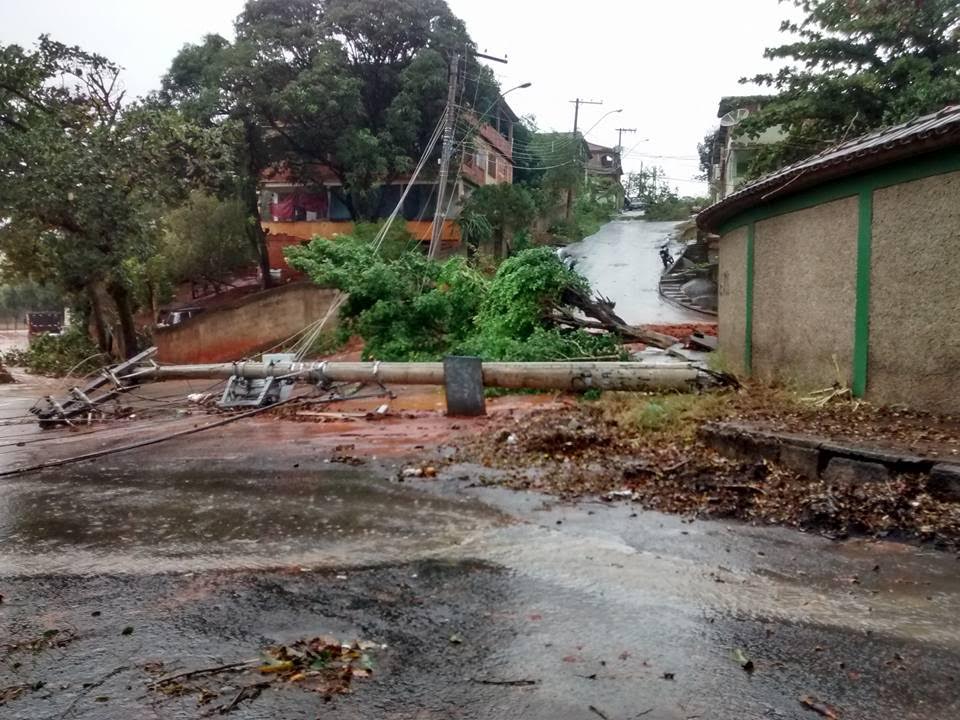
[[256, 322]]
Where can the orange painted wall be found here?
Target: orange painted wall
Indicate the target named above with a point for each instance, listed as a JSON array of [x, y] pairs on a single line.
[[281, 235]]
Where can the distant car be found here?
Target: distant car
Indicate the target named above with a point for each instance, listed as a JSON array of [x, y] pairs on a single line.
[[633, 204], [44, 323], [175, 317]]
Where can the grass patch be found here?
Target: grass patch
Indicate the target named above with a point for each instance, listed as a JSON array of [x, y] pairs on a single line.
[[678, 416]]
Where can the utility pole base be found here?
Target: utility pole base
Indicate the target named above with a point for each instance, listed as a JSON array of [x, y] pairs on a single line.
[[463, 384]]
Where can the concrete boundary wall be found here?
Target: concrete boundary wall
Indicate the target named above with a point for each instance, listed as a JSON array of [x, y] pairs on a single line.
[[804, 294], [915, 294], [249, 325], [863, 268], [732, 298]]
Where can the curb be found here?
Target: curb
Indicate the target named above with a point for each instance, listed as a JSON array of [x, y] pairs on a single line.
[[816, 457]]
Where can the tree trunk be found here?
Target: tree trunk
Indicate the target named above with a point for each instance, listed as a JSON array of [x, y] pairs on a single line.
[[99, 325], [258, 240], [128, 331], [251, 201]]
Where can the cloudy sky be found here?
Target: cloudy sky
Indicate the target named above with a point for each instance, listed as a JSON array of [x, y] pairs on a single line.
[[666, 63]]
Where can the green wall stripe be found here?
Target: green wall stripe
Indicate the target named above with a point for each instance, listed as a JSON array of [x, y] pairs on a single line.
[[748, 313], [893, 174], [861, 332]]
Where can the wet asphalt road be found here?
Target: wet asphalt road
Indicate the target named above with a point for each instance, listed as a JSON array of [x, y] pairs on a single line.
[[211, 555], [621, 261]]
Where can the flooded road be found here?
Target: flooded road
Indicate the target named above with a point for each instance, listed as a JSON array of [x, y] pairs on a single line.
[[621, 262]]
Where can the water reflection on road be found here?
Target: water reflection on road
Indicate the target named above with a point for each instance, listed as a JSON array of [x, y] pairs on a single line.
[[621, 261]]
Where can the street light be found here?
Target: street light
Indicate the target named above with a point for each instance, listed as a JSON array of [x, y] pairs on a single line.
[[501, 96], [602, 118]]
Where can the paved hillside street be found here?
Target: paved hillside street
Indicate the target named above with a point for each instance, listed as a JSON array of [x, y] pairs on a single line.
[[214, 547], [622, 262]]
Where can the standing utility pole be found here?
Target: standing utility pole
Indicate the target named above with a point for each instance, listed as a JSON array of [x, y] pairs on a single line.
[[620, 132], [441, 212], [576, 119]]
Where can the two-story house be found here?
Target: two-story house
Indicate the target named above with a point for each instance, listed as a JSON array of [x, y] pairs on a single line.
[[293, 213]]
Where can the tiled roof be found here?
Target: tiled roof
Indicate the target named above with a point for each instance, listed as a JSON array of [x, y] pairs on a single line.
[[922, 134]]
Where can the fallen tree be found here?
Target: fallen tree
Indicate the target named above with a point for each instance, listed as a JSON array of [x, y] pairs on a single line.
[[405, 307]]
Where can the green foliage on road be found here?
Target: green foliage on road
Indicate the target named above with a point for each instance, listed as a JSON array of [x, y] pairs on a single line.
[[853, 66], [70, 352], [409, 308]]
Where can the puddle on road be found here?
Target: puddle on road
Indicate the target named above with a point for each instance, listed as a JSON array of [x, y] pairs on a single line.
[[119, 522]]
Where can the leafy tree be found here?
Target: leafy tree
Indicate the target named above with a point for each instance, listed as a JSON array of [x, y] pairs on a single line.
[[16, 299], [505, 208], [204, 239], [354, 85], [707, 150], [212, 83], [856, 65], [85, 174]]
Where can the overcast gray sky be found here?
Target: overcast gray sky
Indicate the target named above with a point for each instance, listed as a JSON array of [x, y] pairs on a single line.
[[665, 62]]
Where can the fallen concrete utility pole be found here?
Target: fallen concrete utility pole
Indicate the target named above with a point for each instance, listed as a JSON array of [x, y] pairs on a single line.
[[257, 384], [575, 376]]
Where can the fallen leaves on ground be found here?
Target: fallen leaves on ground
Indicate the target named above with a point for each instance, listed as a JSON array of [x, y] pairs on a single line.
[[583, 450], [821, 708], [47, 640], [322, 665]]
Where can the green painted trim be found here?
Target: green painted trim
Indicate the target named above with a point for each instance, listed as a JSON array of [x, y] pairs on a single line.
[[894, 174], [748, 314], [861, 331]]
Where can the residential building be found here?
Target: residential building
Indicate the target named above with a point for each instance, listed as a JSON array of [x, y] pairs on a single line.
[[293, 212], [733, 151], [604, 168], [842, 268]]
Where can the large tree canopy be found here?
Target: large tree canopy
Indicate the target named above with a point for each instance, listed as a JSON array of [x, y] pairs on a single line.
[[85, 174], [856, 65], [355, 85]]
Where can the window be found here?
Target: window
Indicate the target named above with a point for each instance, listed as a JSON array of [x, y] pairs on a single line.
[[492, 165]]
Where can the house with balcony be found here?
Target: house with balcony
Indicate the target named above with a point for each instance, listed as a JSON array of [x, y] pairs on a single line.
[[732, 150], [293, 212], [605, 170]]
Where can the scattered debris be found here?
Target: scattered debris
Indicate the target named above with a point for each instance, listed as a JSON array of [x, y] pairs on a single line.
[[322, 665], [820, 708], [506, 683], [598, 712], [48, 640], [606, 450], [743, 661]]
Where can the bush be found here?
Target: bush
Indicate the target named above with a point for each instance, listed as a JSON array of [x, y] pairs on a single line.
[[56, 355]]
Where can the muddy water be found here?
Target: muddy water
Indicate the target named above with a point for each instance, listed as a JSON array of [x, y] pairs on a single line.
[[621, 261], [130, 520]]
